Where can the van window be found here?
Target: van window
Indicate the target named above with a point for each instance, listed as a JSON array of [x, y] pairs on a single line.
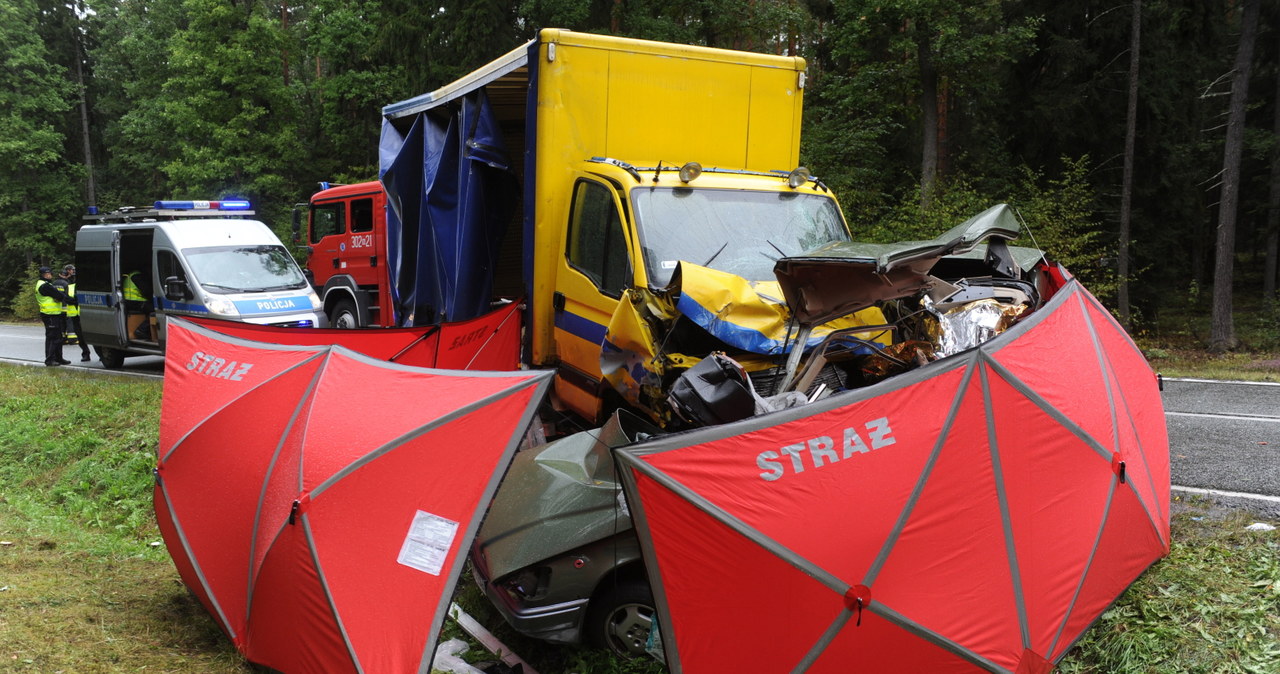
[[168, 266], [93, 271], [327, 220], [362, 215], [596, 246]]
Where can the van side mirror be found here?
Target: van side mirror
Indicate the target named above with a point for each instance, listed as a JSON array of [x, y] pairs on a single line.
[[176, 289]]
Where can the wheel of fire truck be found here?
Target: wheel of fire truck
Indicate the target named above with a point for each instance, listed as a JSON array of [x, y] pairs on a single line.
[[344, 315], [111, 358], [620, 616]]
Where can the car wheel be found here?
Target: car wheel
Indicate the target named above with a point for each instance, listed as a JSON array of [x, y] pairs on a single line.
[[111, 358], [619, 618], [344, 315]]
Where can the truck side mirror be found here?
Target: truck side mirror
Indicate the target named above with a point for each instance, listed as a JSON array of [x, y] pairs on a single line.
[[176, 289], [297, 225]]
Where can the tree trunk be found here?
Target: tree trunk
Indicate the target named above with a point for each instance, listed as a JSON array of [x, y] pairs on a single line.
[[1222, 333], [284, 54], [929, 116], [1273, 202], [91, 187], [1126, 190]]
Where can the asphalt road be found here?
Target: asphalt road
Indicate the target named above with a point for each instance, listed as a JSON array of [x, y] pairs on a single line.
[[23, 344], [1226, 436], [1223, 436]]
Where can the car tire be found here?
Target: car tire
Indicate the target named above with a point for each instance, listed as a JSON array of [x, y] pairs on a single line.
[[111, 358], [620, 616], [344, 315]]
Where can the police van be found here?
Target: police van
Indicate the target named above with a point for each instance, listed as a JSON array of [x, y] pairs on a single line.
[[138, 266]]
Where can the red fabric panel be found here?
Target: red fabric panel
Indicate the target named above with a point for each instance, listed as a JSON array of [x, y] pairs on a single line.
[[735, 606], [360, 407], [186, 571], [292, 628], [839, 514], [1033, 663], [1057, 491], [489, 342], [360, 525], [1058, 360], [883, 647], [214, 479], [380, 343], [1142, 417], [949, 570], [206, 373], [280, 489], [1128, 546]]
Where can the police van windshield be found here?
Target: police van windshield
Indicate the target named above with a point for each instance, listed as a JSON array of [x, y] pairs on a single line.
[[742, 232], [239, 269]]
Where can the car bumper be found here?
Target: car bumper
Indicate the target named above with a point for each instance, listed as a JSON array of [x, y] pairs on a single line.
[[559, 622]]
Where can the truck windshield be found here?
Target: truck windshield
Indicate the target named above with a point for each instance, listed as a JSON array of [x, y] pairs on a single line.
[[737, 231], [237, 269]]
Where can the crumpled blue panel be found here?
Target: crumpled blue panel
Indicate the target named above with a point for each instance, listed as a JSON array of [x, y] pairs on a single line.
[[450, 186]]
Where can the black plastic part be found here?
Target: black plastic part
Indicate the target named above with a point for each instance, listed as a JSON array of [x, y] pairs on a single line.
[[715, 391]]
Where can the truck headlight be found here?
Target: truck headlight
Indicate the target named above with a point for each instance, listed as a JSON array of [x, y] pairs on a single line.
[[218, 305]]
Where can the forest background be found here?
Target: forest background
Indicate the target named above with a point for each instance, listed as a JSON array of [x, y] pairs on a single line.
[[1138, 138]]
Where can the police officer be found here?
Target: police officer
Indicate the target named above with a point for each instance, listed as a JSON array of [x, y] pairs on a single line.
[[51, 300], [72, 313]]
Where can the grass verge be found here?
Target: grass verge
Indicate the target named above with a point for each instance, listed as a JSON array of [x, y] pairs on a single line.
[[82, 588]]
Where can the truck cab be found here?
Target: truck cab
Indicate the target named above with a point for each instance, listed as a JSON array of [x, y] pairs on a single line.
[[347, 254], [630, 227], [136, 267]]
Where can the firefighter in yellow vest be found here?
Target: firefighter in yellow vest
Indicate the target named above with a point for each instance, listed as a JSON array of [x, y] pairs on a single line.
[[72, 313], [51, 300]]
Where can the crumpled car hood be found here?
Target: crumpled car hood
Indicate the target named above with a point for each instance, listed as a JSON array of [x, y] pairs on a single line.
[[841, 277], [558, 497]]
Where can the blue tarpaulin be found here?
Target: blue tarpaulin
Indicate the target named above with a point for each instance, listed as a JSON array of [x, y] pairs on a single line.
[[449, 182]]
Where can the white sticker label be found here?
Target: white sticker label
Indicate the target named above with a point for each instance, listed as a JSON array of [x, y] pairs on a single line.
[[670, 264], [427, 545]]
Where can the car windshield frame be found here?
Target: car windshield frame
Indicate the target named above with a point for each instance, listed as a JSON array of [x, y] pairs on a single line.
[[742, 232], [226, 270]]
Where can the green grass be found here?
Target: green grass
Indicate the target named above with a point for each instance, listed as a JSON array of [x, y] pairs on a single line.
[[83, 588]]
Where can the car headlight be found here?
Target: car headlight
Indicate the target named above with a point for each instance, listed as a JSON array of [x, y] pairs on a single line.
[[222, 306], [315, 300]]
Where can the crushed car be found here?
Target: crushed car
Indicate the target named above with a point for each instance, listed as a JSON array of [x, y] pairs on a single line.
[[557, 554]]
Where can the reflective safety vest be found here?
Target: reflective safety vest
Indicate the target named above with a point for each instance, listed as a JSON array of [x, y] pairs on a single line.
[[73, 310], [131, 292], [48, 305]]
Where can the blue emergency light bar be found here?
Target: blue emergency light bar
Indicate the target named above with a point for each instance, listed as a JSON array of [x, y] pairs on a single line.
[[233, 205]]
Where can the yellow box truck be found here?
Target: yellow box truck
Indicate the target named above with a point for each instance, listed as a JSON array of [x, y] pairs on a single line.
[[586, 174]]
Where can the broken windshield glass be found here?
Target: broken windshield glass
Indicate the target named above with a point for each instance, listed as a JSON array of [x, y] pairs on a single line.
[[736, 231]]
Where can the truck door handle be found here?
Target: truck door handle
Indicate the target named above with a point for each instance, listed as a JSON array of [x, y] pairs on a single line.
[[373, 260], [557, 301], [335, 263]]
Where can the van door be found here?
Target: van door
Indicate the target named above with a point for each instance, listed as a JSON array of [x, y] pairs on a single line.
[[590, 279], [97, 286], [174, 294]]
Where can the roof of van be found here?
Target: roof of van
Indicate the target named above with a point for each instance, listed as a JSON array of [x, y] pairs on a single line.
[[202, 232]]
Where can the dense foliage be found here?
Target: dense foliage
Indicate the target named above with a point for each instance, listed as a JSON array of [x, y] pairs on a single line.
[[918, 113]]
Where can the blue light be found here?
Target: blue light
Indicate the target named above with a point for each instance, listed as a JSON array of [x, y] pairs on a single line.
[[233, 205]]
